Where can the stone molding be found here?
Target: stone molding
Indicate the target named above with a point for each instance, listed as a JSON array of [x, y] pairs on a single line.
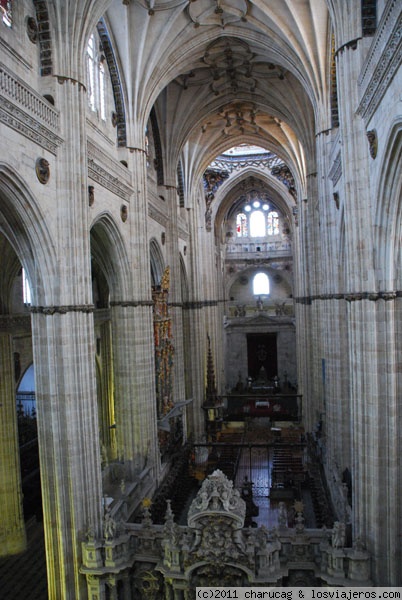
[[99, 172], [157, 215], [62, 310], [351, 297], [200, 304], [13, 324], [382, 62], [28, 113], [131, 303]]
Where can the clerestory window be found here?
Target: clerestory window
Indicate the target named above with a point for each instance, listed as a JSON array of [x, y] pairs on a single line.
[[256, 219], [96, 79], [261, 284]]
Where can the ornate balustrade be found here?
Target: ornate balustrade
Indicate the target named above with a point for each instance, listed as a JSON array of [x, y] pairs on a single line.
[[214, 548]]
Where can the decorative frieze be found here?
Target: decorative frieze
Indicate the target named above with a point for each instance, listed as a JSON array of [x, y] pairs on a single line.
[[62, 310], [25, 111], [13, 324], [132, 303], [157, 215], [351, 297], [99, 169], [383, 61]]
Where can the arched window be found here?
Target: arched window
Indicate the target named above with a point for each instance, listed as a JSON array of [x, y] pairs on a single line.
[[241, 225], [96, 79], [6, 12], [251, 221], [261, 285], [273, 223], [257, 224]]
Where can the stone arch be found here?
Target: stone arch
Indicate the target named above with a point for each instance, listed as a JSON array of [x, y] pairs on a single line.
[[388, 232], [388, 221], [110, 268], [23, 224], [25, 241], [157, 262], [229, 190], [109, 251], [117, 87]]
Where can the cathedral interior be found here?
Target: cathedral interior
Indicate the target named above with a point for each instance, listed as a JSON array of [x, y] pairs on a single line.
[[199, 296]]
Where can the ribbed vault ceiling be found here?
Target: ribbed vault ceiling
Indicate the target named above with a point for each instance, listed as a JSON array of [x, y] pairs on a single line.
[[225, 72]]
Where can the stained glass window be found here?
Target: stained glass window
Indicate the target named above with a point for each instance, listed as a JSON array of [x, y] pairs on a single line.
[[241, 225], [273, 223]]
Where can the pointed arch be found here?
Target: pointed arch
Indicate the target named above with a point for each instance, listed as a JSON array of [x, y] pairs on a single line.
[[388, 220], [116, 83], [157, 262], [23, 224], [109, 251]]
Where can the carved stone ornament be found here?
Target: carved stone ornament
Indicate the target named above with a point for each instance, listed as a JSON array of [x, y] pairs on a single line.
[[156, 5], [32, 30], [373, 142], [42, 170], [217, 12], [124, 213], [91, 195], [217, 495]]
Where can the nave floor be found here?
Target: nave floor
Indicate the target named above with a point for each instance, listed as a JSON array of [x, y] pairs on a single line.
[[23, 577]]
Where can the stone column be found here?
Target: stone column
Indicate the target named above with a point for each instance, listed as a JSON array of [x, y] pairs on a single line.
[[12, 527], [133, 339], [175, 299], [68, 442], [370, 482], [135, 405], [64, 356], [198, 322]]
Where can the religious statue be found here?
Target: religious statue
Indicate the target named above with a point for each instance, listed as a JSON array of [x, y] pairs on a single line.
[[338, 535], [109, 526]]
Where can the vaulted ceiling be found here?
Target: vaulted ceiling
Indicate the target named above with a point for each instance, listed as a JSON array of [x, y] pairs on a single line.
[[223, 72]]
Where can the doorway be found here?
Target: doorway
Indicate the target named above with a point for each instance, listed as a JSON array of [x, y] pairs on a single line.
[[262, 352]]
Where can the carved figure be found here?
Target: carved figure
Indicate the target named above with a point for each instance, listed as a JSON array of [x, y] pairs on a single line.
[[338, 535], [282, 516], [109, 526]]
